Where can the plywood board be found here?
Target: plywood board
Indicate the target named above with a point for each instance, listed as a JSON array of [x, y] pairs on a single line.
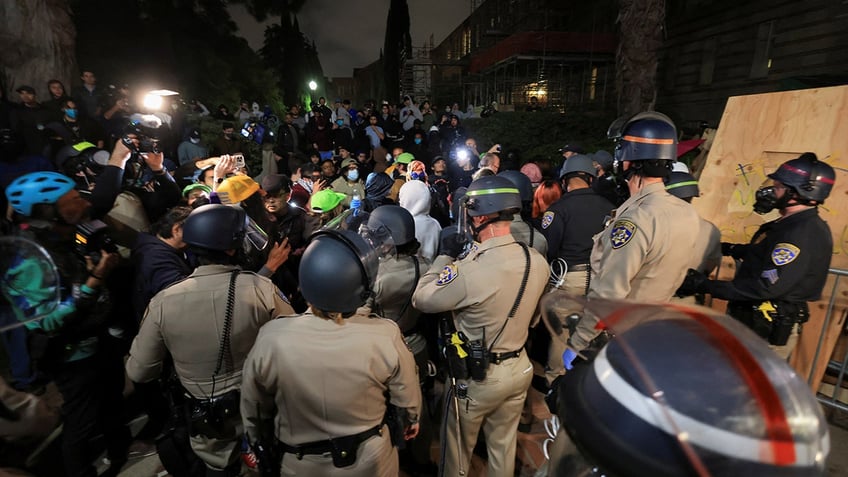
[[756, 134]]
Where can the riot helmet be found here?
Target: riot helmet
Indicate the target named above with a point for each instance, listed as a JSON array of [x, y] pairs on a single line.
[[219, 228], [682, 185], [646, 136], [811, 179], [337, 271], [522, 182], [578, 164], [397, 220], [37, 188], [631, 411], [491, 195]]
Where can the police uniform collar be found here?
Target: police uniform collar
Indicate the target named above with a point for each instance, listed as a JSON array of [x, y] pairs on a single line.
[[799, 216], [653, 188], [494, 242], [205, 270]]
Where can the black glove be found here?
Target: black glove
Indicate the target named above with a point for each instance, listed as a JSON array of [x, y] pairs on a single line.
[[695, 282], [451, 242]]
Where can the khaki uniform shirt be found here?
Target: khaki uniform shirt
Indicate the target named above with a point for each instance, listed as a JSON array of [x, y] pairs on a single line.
[[320, 379], [393, 288], [643, 254], [523, 232], [187, 320], [480, 289]]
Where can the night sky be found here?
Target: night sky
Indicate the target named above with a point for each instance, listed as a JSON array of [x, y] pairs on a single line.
[[349, 34]]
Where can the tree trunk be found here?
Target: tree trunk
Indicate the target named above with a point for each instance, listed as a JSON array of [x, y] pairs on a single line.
[[641, 24], [38, 41]]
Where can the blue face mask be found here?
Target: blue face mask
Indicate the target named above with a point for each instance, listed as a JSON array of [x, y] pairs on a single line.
[[353, 175], [71, 113], [417, 140], [340, 122]]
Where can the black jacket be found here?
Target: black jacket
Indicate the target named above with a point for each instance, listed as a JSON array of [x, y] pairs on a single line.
[[571, 222], [786, 260], [157, 265]]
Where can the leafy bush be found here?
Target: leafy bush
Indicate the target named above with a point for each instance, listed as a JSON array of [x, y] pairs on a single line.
[[539, 135]]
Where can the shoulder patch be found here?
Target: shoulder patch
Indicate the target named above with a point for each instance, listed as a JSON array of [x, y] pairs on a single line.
[[447, 275], [547, 218], [784, 253], [622, 232]]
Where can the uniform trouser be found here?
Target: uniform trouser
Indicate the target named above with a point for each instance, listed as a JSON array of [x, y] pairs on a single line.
[[494, 405], [419, 448], [575, 284], [219, 454], [91, 393], [785, 351], [375, 458]]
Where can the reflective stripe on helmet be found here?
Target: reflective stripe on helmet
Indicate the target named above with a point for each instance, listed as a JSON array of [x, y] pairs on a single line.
[[648, 140], [82, 146], [681, 184], [501, 190]]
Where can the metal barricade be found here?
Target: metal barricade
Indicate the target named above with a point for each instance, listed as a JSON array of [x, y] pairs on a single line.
[[833, 365]]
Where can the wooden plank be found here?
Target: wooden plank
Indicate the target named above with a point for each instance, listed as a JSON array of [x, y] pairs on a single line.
[[756, 134]]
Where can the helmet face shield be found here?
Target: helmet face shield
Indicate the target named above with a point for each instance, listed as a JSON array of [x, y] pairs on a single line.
[[29, 283], [716, 397], [254, 236], [374, 232]]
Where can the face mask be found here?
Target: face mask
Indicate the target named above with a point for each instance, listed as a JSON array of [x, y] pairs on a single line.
[[767, 200], [353, 175], [340, 122], [417, 140], [194, 140], [71, 113]]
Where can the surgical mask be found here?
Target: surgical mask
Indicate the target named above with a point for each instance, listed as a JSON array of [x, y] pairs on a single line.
[[417, 140], [71, 113], [340, 122], [353, 175], [194, 140]]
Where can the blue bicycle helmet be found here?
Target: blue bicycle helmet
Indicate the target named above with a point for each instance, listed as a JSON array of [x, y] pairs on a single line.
[[37, 188]]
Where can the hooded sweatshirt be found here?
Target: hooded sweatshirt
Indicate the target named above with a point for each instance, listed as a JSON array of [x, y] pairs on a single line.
[[415, 197]]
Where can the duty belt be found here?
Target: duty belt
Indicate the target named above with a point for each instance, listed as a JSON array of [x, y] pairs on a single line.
[[498, 358], [327, 446], [580, 267]]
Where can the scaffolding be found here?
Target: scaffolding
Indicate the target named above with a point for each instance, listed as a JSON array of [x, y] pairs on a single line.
[[417, 72], [557, 82]]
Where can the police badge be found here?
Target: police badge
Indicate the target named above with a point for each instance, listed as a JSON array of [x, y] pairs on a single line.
[[622, 232], [784, 253], [547, 218]]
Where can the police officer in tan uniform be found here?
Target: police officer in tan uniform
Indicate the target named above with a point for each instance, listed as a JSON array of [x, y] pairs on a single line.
[[317, 383], [685, 187], [521, 228], [642, 255], [396, 280], [190, 321], [492, 292]]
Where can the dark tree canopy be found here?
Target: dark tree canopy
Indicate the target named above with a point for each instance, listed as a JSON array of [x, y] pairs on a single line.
[[398, 44]]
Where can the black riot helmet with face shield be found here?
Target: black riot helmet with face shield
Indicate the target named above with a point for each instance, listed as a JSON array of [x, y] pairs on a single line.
[[680, 391], [220, 228]]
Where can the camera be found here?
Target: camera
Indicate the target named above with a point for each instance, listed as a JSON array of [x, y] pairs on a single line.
[[253, 131], [92, 237], [145, 128]]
